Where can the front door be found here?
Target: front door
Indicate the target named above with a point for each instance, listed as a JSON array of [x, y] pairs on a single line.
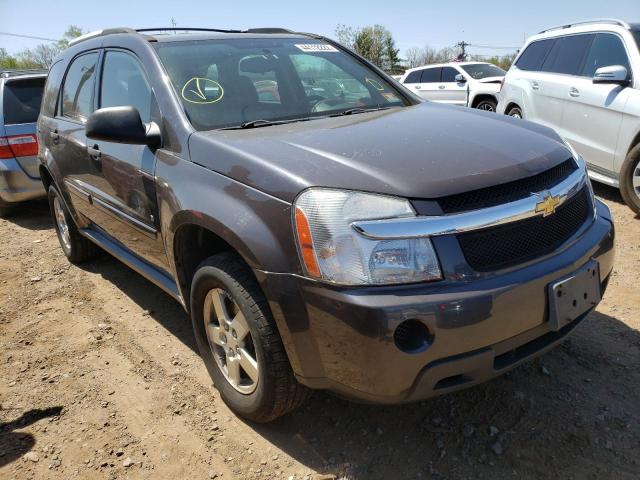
[[450, 91], [124, 195]]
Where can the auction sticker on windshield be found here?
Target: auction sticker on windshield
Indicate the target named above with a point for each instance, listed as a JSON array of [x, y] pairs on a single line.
[[316, 47]]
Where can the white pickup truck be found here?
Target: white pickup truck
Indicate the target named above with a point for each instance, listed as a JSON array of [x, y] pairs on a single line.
[[470, 84]]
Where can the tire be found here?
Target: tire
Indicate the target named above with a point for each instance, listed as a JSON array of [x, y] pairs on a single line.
[[630, 179], [515, 112], [77, 248], [6, 209], [487, 105], [225, 280]]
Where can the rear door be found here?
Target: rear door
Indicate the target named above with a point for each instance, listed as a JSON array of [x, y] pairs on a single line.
[[450, 91], [21, 99], [593, 113], [429, 82], [68, 141], [561, 67]]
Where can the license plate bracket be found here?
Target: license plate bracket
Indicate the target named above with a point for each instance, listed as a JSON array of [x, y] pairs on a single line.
[[573, 295]]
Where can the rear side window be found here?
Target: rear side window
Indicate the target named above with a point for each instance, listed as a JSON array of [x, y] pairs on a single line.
[[22, 99], [413, 77], [430, 75], [534, 55], [567, 54], [607, 50], [77, 93], [449, 74], [51, 89], [124, 83]]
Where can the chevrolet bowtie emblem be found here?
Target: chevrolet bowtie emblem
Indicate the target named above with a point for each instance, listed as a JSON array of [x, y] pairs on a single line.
[[548, 205]]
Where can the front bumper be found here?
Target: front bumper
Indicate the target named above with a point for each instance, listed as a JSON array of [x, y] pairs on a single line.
[[16, 185], [481, 325]]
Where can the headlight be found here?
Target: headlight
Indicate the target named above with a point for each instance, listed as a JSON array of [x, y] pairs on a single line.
[[332, 250]]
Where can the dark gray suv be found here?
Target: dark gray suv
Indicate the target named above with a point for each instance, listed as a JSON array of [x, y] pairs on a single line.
[[323, 227]]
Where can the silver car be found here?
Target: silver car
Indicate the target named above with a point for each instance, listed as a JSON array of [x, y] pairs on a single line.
[[583, 80], [20, 99]]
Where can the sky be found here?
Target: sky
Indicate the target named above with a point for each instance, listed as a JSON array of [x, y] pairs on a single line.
[[490, 23]]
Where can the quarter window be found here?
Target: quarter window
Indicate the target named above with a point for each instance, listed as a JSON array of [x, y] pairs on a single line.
[[124, 83], [534, 55], [430, 75], [77, 93], [567, 54], [607, 50], [413, 77]]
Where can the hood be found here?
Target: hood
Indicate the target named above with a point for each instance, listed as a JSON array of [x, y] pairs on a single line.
[[491, 79], [424, 151]]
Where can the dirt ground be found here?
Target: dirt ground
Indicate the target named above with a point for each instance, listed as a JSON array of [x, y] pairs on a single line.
[[100, 379]]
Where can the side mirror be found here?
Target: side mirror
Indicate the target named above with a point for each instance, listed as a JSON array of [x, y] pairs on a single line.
[[616, 74], [121, 125], [460, 78]]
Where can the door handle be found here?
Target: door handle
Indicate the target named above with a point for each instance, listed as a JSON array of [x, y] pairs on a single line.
[[535, 85], [94, 153], [574, 92], [418, 87], [441, 87], [55, 137]]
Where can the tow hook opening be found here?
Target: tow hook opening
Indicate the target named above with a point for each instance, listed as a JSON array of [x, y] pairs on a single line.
[[412, 336]]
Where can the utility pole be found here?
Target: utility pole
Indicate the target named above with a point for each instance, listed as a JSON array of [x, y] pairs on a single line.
[[463, 45]]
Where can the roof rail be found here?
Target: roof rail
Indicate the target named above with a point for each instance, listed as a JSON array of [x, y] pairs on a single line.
[[100, 33], [26, 71], [268, 30], [185, 29], [611, 21]]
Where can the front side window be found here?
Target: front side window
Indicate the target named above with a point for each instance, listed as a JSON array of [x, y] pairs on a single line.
[[228, 82], [449, 74], [430, 75], [567, 54], [607, 50], [479, 71], [124, 83], [77, 93], [22, 99], [533, 56]]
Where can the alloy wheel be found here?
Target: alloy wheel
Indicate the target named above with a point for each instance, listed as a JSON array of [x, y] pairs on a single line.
[[230, 341], [487, 107], [61, 222], [635, 179]]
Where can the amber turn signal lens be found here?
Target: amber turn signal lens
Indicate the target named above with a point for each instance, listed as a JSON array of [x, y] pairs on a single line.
[[306, 244]]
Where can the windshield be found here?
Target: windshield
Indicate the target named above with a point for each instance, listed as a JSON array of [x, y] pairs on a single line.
[[483, 70], [230, 82], [636, 35]]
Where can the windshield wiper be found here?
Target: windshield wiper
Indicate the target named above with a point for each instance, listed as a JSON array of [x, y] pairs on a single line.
[[353, 111], [260, 122]]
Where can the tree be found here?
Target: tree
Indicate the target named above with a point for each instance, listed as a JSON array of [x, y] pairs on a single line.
[[373, 42], [392, 54], [41, 56]]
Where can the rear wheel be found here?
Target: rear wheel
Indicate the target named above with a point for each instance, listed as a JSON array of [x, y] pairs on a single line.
[[239, 342], [630, 179], [488, 105], [76, 247], [515, 112]]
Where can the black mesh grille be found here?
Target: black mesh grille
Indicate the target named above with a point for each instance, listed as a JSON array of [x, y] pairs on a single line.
[[507, 192], [518, 242]]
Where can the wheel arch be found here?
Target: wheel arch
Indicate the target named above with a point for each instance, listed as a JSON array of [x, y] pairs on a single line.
[[483, 96]]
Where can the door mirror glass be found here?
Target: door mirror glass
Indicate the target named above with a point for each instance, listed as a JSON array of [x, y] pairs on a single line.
[[616, 74], [121, 125], [460, 78]]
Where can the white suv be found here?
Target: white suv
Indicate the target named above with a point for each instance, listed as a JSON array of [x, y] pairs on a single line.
[[470, 84], [583, 80]]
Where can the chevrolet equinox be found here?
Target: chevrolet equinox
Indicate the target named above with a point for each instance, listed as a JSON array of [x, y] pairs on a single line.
[[323, 227]]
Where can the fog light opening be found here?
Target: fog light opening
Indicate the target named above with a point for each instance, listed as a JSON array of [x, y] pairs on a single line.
[[412, 336]]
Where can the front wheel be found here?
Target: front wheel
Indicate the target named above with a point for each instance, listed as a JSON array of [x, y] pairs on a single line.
[[239, 342], [515, 112], [630, 179], [488, 105]]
